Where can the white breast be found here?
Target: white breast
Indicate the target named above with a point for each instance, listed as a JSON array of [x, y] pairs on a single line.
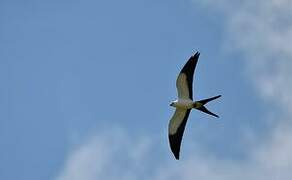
[[184, 103]]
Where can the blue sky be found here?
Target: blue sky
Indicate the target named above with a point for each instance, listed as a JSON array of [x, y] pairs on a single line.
[[86, 86]]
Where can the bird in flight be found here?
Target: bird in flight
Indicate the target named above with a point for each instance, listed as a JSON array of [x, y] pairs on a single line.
[[184, 104]]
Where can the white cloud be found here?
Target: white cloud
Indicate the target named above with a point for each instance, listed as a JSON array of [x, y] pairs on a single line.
[[107, 155], [262, 31], [117, 155]]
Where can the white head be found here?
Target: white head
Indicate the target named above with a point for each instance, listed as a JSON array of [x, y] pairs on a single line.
[[173, 103]]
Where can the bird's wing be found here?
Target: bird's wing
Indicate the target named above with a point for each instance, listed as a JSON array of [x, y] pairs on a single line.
[[184, 82], [176, 129]]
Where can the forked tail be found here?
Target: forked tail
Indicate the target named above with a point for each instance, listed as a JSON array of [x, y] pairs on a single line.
[[205, 101]]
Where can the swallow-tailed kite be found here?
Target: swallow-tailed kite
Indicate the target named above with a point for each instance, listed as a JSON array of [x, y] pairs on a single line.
[[185, 104]]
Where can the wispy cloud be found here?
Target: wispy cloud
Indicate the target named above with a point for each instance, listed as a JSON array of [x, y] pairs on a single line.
[[113, 154], [262, 32], [116, 155]]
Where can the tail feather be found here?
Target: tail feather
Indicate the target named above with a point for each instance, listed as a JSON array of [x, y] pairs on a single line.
[[205, 101], [205, 110]]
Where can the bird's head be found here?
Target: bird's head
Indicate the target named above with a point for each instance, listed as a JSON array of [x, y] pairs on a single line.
[[173, 103]]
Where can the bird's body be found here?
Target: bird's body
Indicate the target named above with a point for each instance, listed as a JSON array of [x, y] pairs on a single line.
[[184, 104]]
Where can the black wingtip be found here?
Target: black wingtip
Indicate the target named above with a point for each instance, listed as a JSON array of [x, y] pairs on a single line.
[[197, 54], [176, 154], [176, 157], [175, 143]]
